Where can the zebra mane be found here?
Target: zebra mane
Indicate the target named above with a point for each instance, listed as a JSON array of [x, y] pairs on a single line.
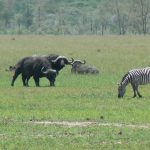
[[124, 77]]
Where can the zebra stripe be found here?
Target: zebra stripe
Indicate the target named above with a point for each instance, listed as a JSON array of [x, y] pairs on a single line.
[[136, 77]]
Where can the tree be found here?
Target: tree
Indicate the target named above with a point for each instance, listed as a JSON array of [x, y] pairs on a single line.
[[18, 18], [141, 11], [28, 16], [75, 17], [121, 15], [103, 16], [7, 12]]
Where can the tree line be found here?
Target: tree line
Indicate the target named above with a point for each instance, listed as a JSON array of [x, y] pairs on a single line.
[[75, 17]]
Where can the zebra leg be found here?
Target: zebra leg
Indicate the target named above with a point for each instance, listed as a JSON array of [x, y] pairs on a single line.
[[134, 90], [138, 93]]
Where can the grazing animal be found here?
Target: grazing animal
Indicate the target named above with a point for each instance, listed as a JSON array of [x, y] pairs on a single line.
[[35, 66], [136, 77], [79, 67]]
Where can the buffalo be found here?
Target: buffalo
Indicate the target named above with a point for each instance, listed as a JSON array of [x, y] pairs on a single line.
[[35, 66], [80, 67], [59, 62], [39, 66]]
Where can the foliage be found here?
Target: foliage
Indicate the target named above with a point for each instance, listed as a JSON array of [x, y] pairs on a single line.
[[75, 17]]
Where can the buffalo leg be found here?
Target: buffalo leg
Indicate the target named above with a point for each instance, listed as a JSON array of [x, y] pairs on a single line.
[[24, 79], [37, 80], [52, 84], [27, 80]]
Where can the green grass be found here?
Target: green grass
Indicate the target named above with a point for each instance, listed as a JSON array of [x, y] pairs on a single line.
[[75, 97]]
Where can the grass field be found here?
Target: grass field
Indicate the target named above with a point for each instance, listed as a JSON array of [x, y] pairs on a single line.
[[115, 123]]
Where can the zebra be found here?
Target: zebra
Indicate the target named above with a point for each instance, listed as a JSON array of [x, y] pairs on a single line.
[[135, 77]]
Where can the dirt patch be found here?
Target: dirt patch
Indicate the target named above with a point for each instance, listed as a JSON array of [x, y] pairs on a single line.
[[65, 123], [89, 123], [125, 125]]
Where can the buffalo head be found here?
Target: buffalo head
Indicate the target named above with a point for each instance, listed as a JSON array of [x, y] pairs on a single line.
[[77, 63], [60, 62], [50, 74]]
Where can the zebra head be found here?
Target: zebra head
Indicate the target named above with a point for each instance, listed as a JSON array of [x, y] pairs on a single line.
[[121, 90]]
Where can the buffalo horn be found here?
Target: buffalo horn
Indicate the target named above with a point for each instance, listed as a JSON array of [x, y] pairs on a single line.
[[63, 57], [83, 62], [48, 70], [71, 61], [59, 57]]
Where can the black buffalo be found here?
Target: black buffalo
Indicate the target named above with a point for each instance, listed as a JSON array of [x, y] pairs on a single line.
[[81, 68], [35, 66], [39, 66]]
